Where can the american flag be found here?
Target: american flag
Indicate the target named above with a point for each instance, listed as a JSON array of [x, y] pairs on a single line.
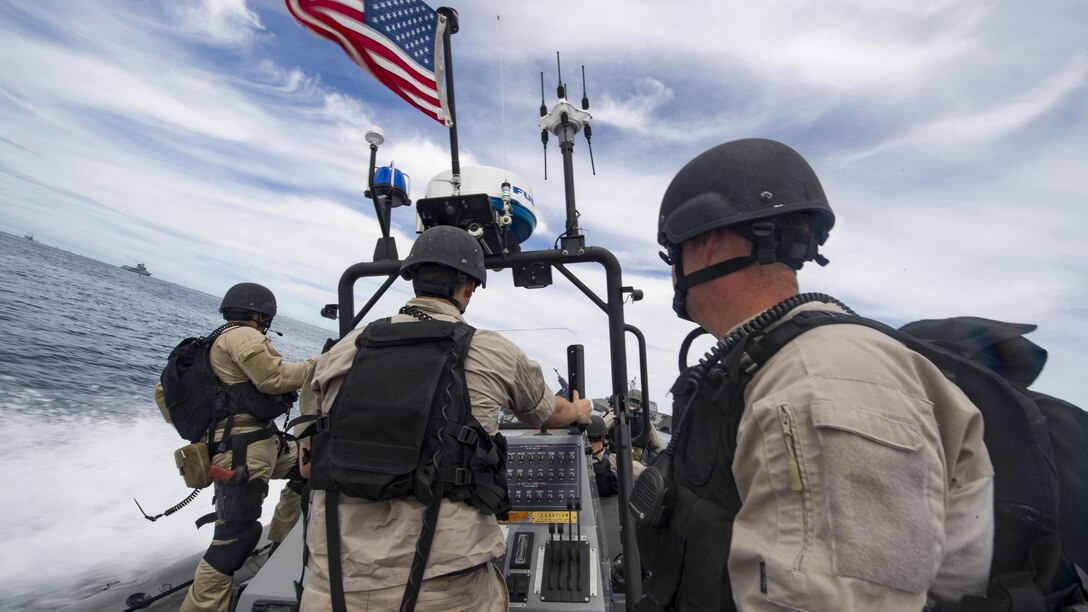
[[397, 41]]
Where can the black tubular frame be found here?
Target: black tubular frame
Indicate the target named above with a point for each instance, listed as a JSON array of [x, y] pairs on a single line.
[[571, 253], [571, 250]]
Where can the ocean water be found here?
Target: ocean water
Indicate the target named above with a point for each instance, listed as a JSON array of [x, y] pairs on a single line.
[[82, 344]]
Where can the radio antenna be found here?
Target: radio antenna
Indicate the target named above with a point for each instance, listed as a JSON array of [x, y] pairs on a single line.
[[502, 97], [588, 130], [560, 90], [543, 130], [565, 121]]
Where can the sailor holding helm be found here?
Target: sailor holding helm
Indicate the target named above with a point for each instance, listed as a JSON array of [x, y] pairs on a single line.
[[372, 380]]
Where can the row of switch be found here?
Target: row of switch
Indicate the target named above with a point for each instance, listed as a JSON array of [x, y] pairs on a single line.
[[520, 475], [541, 496], [541, 456]]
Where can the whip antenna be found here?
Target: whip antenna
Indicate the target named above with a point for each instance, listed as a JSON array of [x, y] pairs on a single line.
[[560, 90], [588, 130], [544, 131], [502, 95]]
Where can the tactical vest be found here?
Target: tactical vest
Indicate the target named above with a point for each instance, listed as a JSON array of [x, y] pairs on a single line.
[[402, 426], [402, 422], [687, 557], [246, 397]]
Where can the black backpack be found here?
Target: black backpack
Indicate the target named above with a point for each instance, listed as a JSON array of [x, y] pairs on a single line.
[[1036, 445], [194, 396], [1002, 347]]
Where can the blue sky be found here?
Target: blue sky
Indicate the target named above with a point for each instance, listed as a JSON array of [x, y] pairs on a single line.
[[218, 141]]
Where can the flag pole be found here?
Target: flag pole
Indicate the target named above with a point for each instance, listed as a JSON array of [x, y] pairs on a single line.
[[450, 29]]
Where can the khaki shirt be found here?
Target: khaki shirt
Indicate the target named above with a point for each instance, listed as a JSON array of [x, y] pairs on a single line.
[[378, 538], [864, 479], [241, 354]]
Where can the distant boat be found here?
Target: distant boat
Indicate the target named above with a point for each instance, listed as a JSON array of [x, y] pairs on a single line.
[[139, 269], [29, 237]]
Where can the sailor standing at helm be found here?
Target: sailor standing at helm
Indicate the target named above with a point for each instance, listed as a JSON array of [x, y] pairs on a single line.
[[858, 479], [259, 386], [377, 537]]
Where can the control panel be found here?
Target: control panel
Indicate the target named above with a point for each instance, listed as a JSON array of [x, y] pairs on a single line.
[[543, 476], [556, 557]]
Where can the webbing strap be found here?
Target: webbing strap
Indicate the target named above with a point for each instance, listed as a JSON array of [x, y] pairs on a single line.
[[332, 539], [305, 502], [457, 477], [423, 548], [239, 444], [462, 433], [1022, 591], [204, 520], [1010, 592], [306, 418]]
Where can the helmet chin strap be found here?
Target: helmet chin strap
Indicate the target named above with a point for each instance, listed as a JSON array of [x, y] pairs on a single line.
[[789, 247], [685, 282]]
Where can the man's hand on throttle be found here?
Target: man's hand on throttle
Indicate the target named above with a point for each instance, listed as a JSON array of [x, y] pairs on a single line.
[[583, 406]]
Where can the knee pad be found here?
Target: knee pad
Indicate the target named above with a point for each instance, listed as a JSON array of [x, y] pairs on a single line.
[[240, 502], [239, 539]]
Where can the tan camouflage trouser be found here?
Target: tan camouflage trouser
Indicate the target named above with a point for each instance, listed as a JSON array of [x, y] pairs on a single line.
[[211, 589], [483, 590]]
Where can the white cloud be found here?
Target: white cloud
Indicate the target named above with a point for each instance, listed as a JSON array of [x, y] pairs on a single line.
[[920, 121], [221, 22], [635, 112]]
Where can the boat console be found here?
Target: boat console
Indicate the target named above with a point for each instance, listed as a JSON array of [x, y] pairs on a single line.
[[556, 551], [556, 557]]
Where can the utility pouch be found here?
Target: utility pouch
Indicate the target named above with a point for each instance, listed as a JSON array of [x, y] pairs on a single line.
[[194, 461]]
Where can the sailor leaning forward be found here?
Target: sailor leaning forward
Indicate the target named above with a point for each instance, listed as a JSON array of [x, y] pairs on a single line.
[[258, 385]]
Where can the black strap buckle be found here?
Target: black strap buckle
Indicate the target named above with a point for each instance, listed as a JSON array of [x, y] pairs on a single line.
[[763, 228], [467, 435], [462, 477]]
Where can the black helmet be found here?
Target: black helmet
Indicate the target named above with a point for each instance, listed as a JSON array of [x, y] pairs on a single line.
[[744, 185], [596, 429], [249, 297], [738, 182], [447, 246]]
